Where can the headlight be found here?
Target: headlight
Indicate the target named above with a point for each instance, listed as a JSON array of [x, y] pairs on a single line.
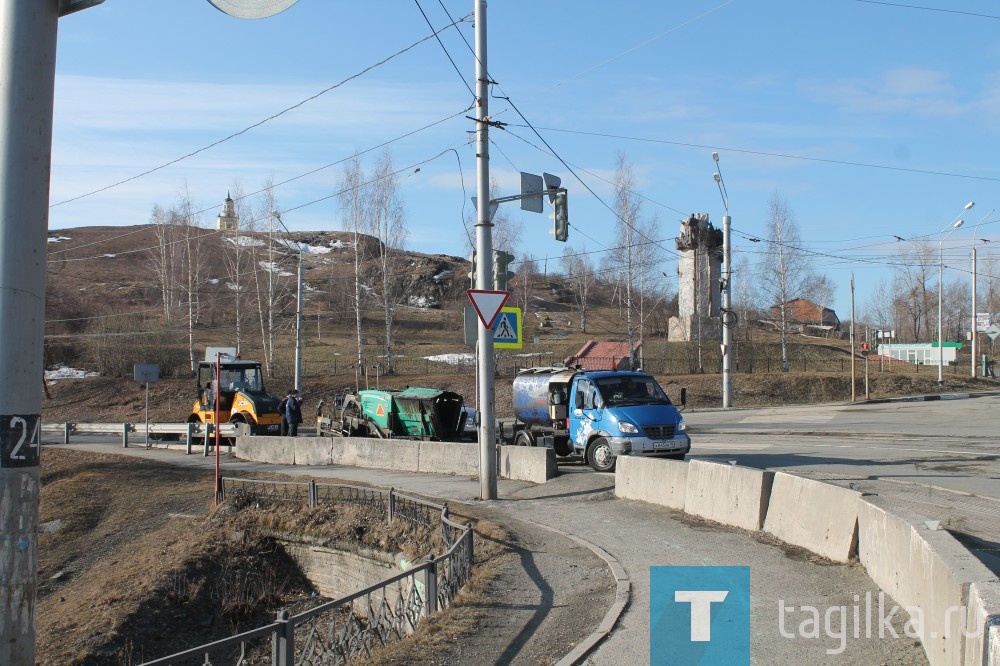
[[682, 426], [627, 428]]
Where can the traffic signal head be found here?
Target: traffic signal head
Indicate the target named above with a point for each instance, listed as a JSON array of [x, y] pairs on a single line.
[[472, 269], [561, 217], [501, 274]]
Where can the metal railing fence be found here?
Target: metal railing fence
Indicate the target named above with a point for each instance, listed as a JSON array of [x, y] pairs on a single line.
[[354, 626]]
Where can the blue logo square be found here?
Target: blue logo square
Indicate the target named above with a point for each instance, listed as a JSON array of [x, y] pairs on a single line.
[[699, 615]]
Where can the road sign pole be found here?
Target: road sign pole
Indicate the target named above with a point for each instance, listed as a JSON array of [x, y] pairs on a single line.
[[484, 268]]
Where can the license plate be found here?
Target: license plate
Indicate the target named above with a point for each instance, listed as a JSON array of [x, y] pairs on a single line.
[[665, 445]]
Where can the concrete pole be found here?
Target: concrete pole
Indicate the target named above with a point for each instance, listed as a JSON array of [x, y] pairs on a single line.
[[940, 331], [854, 388], [298, 329], [973, 363], [727, 333], [484, 265], [28, 31]]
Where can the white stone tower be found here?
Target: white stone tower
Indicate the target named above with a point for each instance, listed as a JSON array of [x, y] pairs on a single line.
[[699, 269], [228, 220]]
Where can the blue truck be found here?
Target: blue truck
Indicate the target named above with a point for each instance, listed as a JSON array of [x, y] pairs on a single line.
[[598, 414]]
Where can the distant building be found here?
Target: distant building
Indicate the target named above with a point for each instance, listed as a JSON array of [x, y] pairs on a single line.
[[228, 220], [802, 313], [604, 356], [921, 353]]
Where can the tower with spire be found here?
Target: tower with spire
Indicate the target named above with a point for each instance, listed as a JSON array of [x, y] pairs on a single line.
[[228, 220]]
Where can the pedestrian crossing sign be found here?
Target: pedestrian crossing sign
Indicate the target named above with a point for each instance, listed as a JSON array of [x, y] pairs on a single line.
[[507, 329]]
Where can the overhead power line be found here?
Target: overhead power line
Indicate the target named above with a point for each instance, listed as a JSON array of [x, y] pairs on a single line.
[[261, 122]]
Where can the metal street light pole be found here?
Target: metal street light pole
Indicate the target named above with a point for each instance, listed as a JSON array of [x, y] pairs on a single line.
[[974, 330], [949, 229], [727, 293]]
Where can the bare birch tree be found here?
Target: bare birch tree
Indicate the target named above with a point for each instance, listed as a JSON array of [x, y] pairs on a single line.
[[622, 260], [785, 273], [162, 255], [579, 272], [354, 212], [914, 285], [387, 224]]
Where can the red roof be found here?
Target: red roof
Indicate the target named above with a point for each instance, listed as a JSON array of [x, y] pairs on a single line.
[[601, 356]]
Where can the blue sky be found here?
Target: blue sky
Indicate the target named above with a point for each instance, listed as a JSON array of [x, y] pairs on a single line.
[[872, 120]]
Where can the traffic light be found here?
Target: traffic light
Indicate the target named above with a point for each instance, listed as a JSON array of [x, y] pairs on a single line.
[[472, 269], [561, 217], [501, 262], [865, 349]]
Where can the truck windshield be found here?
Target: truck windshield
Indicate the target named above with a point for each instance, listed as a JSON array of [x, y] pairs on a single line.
[[631, 390]]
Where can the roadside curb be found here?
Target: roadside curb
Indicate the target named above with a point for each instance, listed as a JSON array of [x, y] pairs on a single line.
[[922, 398], [623, 594]]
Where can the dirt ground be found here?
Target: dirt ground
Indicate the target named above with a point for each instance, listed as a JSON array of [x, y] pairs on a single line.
[[136, 563]]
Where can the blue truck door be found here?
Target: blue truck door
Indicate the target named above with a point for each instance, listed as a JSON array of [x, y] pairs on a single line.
[[586, 412]]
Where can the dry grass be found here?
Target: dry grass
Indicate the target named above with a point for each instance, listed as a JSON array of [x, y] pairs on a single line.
[[138, 563]]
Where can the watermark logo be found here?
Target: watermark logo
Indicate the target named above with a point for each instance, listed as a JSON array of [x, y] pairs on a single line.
[[699, 615]]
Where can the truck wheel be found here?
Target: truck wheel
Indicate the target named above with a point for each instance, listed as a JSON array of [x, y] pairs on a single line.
[[524, 439], [600, 457]]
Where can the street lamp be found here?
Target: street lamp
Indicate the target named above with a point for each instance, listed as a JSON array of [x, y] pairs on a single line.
[[949, 229], [974, 322], [727, 293]]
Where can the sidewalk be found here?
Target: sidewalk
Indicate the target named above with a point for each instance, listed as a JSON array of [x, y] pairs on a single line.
[[537, 621]]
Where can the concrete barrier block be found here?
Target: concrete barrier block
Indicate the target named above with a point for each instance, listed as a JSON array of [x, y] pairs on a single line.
[[727, 494], [927, 572], [266, 449], [662, 482], [944, 572], [313, 450], [983, 616], [448, 458], [817, 516], [397, 454], [526, 463], [884, 547]]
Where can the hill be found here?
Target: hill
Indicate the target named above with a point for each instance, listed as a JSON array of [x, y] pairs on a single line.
[[118, 296]]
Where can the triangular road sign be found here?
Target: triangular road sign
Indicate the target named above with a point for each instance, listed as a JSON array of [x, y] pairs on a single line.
[[487, 304]]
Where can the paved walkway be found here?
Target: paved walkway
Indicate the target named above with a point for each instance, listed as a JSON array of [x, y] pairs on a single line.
[[632, 536]]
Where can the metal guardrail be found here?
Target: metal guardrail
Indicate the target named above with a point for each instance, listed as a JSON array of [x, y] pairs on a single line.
[[351, 627], [190, 431]]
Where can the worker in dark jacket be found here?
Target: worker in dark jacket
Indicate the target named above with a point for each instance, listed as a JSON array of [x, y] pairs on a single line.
[[293, 412]]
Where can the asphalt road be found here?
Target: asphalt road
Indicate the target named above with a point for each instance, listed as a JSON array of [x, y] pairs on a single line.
[[941, 458]]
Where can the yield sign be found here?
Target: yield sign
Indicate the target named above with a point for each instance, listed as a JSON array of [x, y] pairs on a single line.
[[487, 304]]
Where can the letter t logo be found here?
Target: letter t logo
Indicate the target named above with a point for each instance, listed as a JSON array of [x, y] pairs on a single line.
[[701, 610]]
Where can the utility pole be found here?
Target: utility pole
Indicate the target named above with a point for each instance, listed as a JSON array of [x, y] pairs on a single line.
[[485, 363], [28, 30], [727, 293], [854, 388], [298, 328]]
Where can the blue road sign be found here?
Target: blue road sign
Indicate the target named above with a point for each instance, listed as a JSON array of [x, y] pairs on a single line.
[[507, 329]]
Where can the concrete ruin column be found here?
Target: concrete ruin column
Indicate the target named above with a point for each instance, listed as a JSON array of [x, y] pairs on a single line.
[[699, 269]]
